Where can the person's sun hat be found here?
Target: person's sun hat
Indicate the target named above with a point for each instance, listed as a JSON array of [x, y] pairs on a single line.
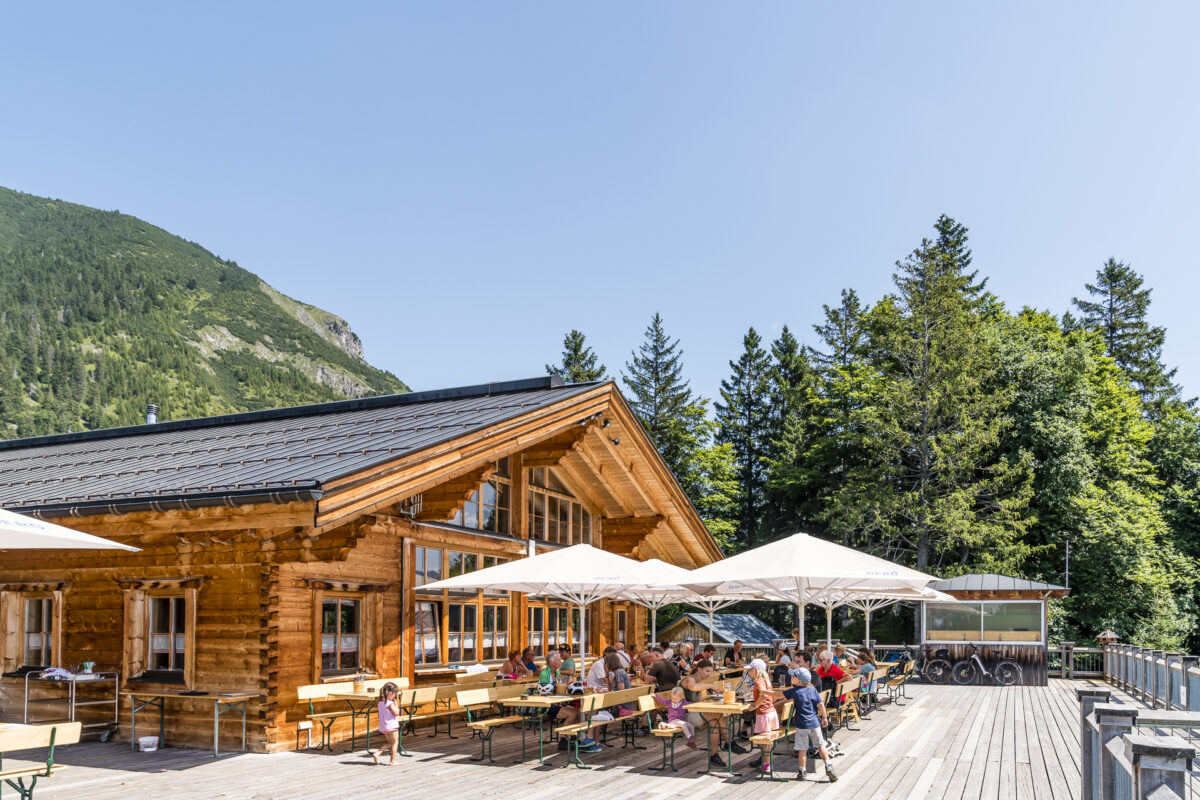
[[759, 665]]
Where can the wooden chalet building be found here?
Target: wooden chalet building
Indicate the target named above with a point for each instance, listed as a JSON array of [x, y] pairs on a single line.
[[289, 547]]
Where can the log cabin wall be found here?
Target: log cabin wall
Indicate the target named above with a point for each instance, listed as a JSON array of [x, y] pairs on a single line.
[[251, 576]]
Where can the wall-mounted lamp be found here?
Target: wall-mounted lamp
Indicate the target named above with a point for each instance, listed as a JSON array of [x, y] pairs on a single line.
[[615, 440], [606, 424]]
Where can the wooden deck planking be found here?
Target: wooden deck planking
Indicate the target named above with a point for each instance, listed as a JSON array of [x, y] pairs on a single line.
[[964, 743]]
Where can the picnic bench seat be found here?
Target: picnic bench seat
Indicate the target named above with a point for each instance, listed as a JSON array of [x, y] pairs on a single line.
[[477, 703], [476, 677], [593, 703], [443, 706], [847, 690], [319, 692], [647, 704], [29, 738], [896, 685], [768, 739]]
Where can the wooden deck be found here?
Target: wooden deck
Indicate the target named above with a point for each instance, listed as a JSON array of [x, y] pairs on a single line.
[[945, 742]]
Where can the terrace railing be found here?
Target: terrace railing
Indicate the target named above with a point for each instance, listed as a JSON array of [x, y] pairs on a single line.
[[1160, 679], [1065, 660], [1121, 761]]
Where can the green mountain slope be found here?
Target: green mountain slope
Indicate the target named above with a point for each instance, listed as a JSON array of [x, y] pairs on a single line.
[[102, 313]]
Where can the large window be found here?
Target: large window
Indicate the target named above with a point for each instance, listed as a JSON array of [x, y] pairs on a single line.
[[38, 650], [428, 566], [461, 629], [495, 633], [488, 507], [984, 622], [554, 513], [621, 621], [557, 630], [168, 641], [537, 630], [428, 635], [341, 635]]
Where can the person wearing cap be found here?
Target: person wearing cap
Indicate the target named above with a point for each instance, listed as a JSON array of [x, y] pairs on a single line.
[[765, 716], [808, 718], [567, 670]]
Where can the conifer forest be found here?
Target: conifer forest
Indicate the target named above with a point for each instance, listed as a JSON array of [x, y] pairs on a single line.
[[937, 427]]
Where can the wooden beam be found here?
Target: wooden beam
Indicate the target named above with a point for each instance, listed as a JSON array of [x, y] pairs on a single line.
[[444, 500], [552, 451]]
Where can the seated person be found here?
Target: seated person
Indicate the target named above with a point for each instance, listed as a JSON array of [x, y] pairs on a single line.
[[527, 660], [568, 664], [829, 672], [662, 672], [597, 673], [512, 668], [697, 686], [734, 657]]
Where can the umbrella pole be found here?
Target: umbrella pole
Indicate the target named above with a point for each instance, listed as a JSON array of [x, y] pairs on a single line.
[[582, 641], [710, 624], [803, 644], [653, 626], [867, 638], [829, 627]]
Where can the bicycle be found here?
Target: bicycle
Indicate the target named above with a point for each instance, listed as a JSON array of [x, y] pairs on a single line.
[[937, 669], [1004, 672]]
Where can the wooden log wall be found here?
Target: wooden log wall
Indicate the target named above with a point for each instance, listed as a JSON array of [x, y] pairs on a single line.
[[1031, 657]]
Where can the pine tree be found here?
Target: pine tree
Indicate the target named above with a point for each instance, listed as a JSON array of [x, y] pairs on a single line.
[[1118, 313], [745, 422], [578, 361], [842, 332], [929, 481], [659, 394]]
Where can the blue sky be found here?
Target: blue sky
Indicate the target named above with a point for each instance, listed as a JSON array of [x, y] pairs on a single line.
[[466, 182]]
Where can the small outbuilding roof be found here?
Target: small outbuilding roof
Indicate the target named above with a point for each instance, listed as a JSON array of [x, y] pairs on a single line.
[[985, 583], [728, 627]]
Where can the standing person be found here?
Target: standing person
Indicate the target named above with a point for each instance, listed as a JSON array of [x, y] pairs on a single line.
[[734, 657], [765, 716], [389, 721], [808, 718]]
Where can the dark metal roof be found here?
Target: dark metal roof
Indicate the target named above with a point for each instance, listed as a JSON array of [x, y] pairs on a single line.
[[728, 627], [988, 582], [278, 454]]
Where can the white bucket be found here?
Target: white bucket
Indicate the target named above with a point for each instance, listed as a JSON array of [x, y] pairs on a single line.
[[147, 744]]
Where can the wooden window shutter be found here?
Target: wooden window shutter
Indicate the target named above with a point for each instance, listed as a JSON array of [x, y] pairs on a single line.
[[137, 617], [10, 631]]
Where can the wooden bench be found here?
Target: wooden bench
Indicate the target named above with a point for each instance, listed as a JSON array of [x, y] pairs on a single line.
[[442, 705], [872, 683], [767, 740], [895, 686], [847, 706], [319, 692], [477, 703], [476, 677], [608, 701], [647, 704], [29, 738]]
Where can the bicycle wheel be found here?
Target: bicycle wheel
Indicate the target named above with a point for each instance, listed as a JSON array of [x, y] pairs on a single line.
[[1007, 673], [964, 673], [937, 671]]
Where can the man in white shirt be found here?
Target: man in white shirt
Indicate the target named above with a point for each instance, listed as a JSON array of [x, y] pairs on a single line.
[[597, 673], [624, 656]]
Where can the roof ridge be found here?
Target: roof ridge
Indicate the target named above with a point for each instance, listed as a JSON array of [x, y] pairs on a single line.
[[311, 409]]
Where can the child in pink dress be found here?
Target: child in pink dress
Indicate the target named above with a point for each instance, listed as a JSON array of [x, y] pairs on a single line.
[[389, 721], [677, 714]]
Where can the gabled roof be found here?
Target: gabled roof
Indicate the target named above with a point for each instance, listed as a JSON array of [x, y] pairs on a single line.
[[989, 582], [280, 454], [728, 627]]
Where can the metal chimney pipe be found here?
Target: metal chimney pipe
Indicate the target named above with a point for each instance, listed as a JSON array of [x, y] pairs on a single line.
[[151, 413]]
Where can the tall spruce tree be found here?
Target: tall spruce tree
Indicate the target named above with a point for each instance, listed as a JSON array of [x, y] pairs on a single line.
[[678, 425], [1118, 313], [745, 422], [930, 482], [579, 363], [792, 399], [842, 333]]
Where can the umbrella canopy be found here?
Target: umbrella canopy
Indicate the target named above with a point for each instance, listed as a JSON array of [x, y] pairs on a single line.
[[581, 574], [665, 586], [803, 569], [19, 532]]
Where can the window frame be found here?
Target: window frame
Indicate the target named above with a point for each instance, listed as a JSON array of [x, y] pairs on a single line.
[[138, 594], [442, 600], [13, 597], [552, 516], [977, 606], [338, 598]]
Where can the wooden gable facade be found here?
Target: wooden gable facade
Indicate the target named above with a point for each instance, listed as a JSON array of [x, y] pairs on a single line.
[[289, 547]]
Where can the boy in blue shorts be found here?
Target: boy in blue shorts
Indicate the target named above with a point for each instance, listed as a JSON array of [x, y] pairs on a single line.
[[808, 717]]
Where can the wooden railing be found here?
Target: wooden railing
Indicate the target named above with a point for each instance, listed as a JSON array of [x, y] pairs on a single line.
[[1065, 660], [1158, 678], [1119, 761]]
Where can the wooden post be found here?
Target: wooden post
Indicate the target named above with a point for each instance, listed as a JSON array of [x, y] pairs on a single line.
[[1068, 659], [1088, 698], [1156, 680], [1113, 721], [1159, 761], [1191, 700]]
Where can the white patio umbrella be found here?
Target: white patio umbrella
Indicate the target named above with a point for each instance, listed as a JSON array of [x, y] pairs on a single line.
[[665, 588], [581, 575], [19, 532], [803, 569]]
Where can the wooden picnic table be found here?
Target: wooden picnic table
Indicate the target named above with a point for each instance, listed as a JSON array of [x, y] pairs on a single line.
[[731, 713], [222, 703], [542, 701]]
